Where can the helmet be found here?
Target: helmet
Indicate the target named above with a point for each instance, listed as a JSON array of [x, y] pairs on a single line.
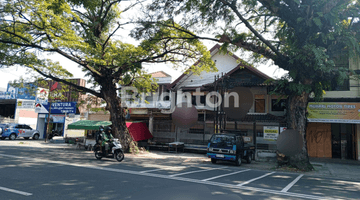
[[101, 128], [108, 129]]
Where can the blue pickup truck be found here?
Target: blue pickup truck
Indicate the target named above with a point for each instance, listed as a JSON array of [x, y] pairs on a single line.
[[229, 147], [12, 131]]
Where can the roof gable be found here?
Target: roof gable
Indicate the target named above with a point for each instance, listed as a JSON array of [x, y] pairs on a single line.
[[226, 64], [159, 74]]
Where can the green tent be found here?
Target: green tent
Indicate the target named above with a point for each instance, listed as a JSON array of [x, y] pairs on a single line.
[[88, 124]]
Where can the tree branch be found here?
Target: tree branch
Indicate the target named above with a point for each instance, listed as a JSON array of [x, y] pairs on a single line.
[[248, 25], [84, 89]]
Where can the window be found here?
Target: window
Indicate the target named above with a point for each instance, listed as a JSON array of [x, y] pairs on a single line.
[[167, 97], [27, 127], [335, 86], [19, 126], [278, 105], [202, 100], [260, 105]]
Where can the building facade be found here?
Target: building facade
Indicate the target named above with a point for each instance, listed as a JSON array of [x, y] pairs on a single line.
[[333, 129], [18, 105], [266, 112]]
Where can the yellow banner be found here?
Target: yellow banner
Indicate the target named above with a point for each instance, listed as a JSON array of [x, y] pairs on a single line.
[[333, 112], [271, 133]]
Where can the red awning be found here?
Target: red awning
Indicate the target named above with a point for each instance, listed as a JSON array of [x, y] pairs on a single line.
[[138, 131]]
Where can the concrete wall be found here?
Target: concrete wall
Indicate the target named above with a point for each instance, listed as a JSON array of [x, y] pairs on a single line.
[[99, 117], [26, 116]]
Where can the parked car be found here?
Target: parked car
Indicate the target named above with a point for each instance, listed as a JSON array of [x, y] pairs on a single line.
[[2, 127], [229, 147], [13, 131]]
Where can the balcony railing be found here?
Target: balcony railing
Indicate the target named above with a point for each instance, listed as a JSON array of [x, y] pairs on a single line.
[[150, 104]]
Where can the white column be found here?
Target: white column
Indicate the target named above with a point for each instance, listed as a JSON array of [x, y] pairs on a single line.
[[151, 122]]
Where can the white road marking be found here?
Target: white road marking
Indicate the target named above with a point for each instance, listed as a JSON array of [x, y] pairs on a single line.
[[208, 179], [154, 170], [204, 170], [15, 191], [287, 188], [254, 179], [175, 178]]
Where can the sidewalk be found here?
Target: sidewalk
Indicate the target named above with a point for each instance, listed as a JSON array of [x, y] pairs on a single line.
[[37, 144], [336, 168]]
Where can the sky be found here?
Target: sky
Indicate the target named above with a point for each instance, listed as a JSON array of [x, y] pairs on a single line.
[[14, 73]]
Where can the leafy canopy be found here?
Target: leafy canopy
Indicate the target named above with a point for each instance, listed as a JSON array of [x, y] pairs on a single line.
[[312, 39], [85, 33]]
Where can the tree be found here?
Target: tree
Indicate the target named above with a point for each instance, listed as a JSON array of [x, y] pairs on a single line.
[[308, 38], [85, 33]]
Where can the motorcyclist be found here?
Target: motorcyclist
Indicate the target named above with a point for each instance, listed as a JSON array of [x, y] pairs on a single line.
[[100, 136], [108, 134], [107, 138]]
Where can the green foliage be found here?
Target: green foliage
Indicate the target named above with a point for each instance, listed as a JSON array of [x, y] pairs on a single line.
[[306, 36], [84, 32]]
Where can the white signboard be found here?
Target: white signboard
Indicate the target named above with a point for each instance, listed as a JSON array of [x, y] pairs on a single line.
[[271, 133], [42, 96], [282, 129], [39, 108], [25, 104]]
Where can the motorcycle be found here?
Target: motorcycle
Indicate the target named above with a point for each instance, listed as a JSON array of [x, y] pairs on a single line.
[[111, 150], [53, 134]]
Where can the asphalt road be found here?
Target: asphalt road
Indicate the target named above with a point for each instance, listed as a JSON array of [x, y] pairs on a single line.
[[32, 173]]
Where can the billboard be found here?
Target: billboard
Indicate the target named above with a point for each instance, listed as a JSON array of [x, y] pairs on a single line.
[[22, 93], [7, 95], [334, 112]]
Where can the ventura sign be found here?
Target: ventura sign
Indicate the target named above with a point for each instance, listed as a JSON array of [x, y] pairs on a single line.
[[61, 107]]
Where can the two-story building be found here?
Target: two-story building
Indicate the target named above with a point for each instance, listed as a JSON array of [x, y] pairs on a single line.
[[333, 129], [266, 111]]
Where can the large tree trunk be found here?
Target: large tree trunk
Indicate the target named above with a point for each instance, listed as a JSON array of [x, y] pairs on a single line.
[[296, 119], [117, 114]]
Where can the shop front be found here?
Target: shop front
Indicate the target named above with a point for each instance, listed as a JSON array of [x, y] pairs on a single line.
[[56, 120], [333, 130]]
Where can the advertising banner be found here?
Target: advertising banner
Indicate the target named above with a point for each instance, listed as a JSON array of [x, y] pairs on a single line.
[[7, 95], [28, 104], [334, 112], [271, 133], [42, 96], [56, 118], [25, 92], [138, 111]]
